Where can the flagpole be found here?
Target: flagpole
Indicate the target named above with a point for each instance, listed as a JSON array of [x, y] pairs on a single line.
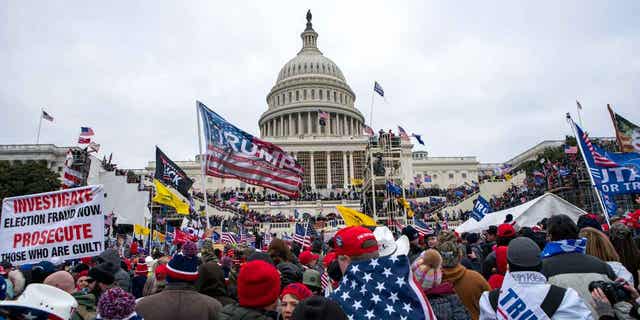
[[373, 93], [578, 108], [586, 163], [39, 126], [373, 184], [202, 175]]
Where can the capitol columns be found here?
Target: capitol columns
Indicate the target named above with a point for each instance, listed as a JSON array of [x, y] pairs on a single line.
[[312, 172], [344, 166], [309, 125], [290, 125], [351, 170], [329, 170]]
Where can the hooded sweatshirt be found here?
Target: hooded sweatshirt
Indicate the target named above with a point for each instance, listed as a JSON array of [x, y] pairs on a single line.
[[122, 277], [469, 286], [211, 282]]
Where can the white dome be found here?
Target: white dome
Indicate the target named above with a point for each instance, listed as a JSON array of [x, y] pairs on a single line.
[[309, 63]]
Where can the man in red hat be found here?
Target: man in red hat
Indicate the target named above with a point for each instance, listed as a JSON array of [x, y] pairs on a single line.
[[308, 259], [353, 244], [496, 261]]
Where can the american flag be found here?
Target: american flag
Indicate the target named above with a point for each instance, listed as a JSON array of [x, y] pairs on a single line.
[[422, 228], [324, 280], [215, 237], [72, 178], [86, 132], [233, 153], [226, 236], [403, 134], [267, 237], [368, 131], [570, 150], [302, 235], [382, 288], [83, 140], [598, 158], [378, 88]]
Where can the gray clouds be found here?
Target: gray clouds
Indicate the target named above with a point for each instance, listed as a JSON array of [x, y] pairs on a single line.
[[487, 78]]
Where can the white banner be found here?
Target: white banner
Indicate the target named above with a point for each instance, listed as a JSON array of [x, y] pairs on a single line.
[[66, 224]]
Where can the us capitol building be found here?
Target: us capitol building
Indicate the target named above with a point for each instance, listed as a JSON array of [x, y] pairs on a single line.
[[332, 155]]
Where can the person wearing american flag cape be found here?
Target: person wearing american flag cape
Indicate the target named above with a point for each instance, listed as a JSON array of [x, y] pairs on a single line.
[[375, 287]]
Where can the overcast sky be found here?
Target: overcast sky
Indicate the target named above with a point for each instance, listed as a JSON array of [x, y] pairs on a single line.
[[483, 78]]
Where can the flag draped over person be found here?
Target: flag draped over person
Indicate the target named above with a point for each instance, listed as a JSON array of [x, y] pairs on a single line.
[[352, 217], [235, 154], [627, 133], [382, 288], [170, 174], [165, 196]]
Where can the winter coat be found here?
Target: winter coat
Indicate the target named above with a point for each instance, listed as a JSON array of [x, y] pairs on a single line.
[[137, 286], [236, 312], [123, 280], [211, 282], [86, 306], [576, 271], [532, 285], [178, 300], [620, 271], [445, 303], [469, 286]]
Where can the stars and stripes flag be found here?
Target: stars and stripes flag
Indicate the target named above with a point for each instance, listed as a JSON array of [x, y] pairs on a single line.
[[233, 153], [598, 155], [84, 140], [267, 237], [302, 236], [368, 131], [570, 149], [72, 178], [403, 134], [86, 132], [378, 88], [382, 288], [47, 116], [246, 236], [324, 281], [226, 236], [422, 228]]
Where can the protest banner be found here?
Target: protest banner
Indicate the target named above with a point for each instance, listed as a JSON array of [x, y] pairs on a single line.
[[66, 224]]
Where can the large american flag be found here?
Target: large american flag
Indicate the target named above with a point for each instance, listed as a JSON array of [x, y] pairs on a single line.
[[403, 134], [382, 288], [233, 153], [246, 236], [226, 236]]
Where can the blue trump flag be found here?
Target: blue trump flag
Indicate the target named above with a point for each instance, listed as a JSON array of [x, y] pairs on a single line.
[[382, 288], [393, 188], [418, 138], [480, 209], [378, 88], [613, 173]]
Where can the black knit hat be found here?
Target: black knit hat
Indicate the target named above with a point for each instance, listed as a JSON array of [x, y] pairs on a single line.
[[318, 308], [410, 232], [101, 273]]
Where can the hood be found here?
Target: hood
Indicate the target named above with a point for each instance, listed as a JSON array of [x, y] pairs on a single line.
[[289, 273], [211, 280], [453, 274], [110, 255]]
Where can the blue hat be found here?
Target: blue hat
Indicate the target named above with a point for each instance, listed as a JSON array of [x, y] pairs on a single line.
[[182, 268]]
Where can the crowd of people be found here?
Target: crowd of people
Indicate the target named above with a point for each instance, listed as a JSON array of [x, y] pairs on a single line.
[[557, 269]]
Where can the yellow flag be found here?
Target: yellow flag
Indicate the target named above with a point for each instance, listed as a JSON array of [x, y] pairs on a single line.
[[356, 182], [166, 197], [407, 207], [354, 218], [507, 177], [138, 229], [157, 235]]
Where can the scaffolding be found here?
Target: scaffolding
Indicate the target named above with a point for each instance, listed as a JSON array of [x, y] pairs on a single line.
[[383, 164]]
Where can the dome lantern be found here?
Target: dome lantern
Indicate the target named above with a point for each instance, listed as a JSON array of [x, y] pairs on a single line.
[[309, 37]]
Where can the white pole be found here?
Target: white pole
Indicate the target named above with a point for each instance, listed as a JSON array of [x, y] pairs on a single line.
[[373, 184], [39, 126], [579, 114], [202, 163], [373, 93], [586, 163]]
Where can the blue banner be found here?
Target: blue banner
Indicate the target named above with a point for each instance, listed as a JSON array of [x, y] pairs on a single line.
[[613, 173], [480, 209]]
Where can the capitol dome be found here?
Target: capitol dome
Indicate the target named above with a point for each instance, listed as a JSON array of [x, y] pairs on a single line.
[[308, 87]]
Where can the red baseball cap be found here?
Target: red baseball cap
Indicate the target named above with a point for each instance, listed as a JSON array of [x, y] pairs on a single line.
[[506, 230], [307, 256], [355, 241]]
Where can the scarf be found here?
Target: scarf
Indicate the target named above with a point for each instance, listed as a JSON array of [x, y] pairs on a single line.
[[564, 246]]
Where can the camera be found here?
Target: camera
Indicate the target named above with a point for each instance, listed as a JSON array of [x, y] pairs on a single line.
[[614, 291]]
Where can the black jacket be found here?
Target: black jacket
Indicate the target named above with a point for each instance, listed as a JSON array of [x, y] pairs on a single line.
[[236, 312]]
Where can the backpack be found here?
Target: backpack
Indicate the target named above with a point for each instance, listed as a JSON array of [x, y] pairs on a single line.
[[549, 305]]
